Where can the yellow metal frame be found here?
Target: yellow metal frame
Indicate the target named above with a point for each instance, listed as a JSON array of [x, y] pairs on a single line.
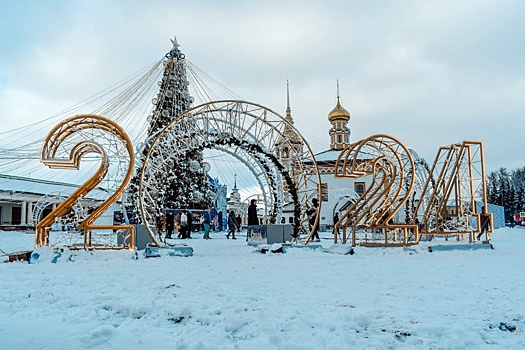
[[452, 193], [55, 139], [391, 166]]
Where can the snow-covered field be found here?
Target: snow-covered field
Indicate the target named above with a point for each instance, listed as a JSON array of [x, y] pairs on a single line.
[[228, 296]]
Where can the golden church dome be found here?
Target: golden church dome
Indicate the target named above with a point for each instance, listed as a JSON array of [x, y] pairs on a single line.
[[339, 113]]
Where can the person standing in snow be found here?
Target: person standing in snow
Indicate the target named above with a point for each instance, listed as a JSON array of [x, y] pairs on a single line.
[[484, 222], [206, 222], [336, 219], [170, 224], [238, 221], [189, 216], [252, 213], [219, 220], [177, 225], [312, 216], [183, 225], [232, 223]]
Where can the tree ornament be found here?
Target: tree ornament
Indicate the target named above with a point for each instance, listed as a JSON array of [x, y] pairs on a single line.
[[194, 165]]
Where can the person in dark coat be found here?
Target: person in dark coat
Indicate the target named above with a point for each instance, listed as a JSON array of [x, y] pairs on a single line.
[[170, 223], [190, 223], [219, 220], [484, 222], [238, 221], [232, 223], [336, 219], [252, 213], [206, 222], [312, 216]]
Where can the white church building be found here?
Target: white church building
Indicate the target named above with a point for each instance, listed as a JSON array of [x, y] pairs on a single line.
[[336, 193]]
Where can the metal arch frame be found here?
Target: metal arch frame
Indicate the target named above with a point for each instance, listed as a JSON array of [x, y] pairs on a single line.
[[263, 160], [67, 238], [249, 122], [267, 200], [55, 198], [270, 202], [72, 139], [389, 162], [343, 193]]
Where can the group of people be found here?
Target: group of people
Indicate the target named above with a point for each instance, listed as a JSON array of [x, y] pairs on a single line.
[[184, 221], [209, 220], [234, 223]]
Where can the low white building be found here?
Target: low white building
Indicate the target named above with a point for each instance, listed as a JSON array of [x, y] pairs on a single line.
[[20, 197]]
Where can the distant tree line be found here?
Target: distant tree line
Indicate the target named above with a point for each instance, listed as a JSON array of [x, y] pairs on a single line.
[[507, 188]]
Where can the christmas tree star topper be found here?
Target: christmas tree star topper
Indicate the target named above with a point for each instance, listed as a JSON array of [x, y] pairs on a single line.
[[175, 43]]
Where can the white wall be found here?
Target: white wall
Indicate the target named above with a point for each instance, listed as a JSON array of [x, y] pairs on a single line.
[[107, 217], [6, 214]]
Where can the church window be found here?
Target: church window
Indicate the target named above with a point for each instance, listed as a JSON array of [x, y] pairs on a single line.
[[339, 139], [286, 152], [346, 138], [359, 188], [324, 192], [290, 220]]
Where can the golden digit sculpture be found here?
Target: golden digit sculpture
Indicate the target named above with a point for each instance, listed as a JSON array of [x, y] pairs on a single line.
[[73, 135], [391, 167]]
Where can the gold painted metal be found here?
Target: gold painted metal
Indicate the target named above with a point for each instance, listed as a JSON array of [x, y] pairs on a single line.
[[56, 139], [448, 200], [390, 165]]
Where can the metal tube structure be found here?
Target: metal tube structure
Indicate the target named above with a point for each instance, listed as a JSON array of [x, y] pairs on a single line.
[[390, 165], [456, 183], [238, 124], [76, 133]]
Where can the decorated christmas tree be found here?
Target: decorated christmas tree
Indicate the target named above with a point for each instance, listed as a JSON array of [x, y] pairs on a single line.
[[174, 97], [186, 184]]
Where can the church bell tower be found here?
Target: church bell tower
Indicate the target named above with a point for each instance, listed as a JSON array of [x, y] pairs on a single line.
[[339, 133]]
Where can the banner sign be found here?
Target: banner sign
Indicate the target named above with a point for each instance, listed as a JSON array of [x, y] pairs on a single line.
[[256, 234]]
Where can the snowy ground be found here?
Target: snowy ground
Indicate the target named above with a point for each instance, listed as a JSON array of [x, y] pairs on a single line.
[[227, 296]]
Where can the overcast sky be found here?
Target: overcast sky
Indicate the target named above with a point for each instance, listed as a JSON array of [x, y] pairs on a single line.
[[429, 73]]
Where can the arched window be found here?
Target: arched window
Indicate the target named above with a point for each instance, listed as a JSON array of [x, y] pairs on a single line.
[[290, 220], [359, 188]]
